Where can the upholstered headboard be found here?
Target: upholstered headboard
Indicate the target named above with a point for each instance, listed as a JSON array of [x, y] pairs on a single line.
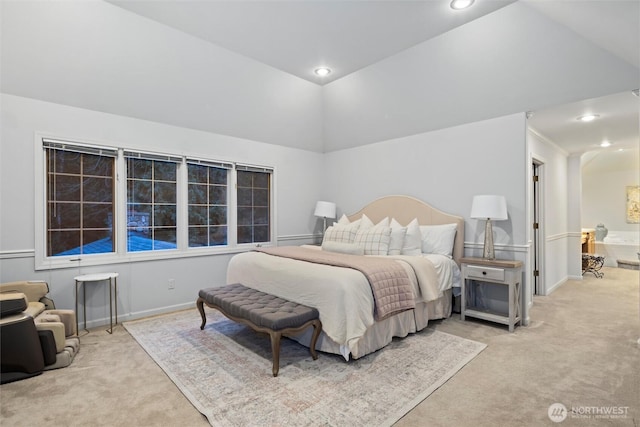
[[405, 208]]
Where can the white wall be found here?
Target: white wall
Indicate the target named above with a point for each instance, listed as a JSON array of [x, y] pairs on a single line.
[[558, 238], [125, 70], [142, 285], [574, 203], [445, 168], [95, 55], [514, 59], [605, 176]]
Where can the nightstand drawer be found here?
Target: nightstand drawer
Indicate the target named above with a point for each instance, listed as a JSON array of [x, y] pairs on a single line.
[[479, 272]]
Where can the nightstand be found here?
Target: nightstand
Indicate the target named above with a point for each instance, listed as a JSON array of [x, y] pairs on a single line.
[[497, 272]]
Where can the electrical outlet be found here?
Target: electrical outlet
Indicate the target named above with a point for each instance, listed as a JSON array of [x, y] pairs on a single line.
[[172, 283]]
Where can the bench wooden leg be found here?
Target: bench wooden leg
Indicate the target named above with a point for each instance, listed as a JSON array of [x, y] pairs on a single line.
[[275, 335], [275, 350], [200, 305], [317, 328]]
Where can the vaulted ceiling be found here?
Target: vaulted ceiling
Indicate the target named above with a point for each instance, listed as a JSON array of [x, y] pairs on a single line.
[[449, 67], [299, 36]]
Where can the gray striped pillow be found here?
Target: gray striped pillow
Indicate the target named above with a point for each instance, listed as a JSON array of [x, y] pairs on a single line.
[[374, 240]]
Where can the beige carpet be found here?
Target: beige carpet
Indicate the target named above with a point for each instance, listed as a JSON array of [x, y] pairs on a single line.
[[225, 371], [581, 350]]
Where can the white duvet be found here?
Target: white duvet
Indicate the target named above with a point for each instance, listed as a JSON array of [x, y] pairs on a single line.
[[342, 296]]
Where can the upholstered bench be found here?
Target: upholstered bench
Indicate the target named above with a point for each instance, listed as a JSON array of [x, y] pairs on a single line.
[[263, 312]]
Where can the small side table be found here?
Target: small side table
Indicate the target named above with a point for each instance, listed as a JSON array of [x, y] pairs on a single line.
[[99, 277], [498, 272]]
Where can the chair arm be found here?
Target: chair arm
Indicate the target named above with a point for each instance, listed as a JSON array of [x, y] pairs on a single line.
[[12, 302], [48, 323], [68, 318], [48, 303], [34, 290]]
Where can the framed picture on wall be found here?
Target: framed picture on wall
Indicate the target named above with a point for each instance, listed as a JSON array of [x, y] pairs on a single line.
[[633, 204]]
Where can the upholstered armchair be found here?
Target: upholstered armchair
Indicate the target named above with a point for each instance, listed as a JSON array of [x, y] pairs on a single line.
[[60, 323]]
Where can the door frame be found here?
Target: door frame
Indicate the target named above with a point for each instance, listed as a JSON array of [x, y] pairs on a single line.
[[536, 210]]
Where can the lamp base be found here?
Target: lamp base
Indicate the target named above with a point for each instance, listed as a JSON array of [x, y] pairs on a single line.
[[488, 252]]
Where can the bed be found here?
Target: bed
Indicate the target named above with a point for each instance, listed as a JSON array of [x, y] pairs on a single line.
[[344, 296]]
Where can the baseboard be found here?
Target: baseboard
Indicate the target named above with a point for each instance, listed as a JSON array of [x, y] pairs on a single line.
[[553, 288], [104, 322]]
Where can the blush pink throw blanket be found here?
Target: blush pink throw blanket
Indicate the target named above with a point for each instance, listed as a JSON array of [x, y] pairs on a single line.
[[390, 285]]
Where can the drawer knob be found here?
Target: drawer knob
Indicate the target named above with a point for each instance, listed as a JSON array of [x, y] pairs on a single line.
[[484, 273]]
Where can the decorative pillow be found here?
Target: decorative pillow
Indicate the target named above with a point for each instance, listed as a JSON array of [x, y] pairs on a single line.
[[384, 222], [343, 248], [340, 233], [343, 220], [374, 241], [397, 238], [365, 222], [438, 239], [412, 244]]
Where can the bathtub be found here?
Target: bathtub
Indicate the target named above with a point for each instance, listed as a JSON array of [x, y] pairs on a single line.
[[623, 245]]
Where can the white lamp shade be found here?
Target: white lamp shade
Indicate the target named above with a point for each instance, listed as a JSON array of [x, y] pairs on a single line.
[[489, 207], [325, 210]]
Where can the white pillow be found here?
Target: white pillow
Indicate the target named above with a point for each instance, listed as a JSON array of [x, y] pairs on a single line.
[[343, 220], [384, 222], [412, 244], [438, 239], [397, 238], [374, 240], [340, 233], [365, 222], [343, 248]]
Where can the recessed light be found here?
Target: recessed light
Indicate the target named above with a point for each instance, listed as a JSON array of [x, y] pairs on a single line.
[[322, 71], [605, 144], [461, 4], [588, 117]]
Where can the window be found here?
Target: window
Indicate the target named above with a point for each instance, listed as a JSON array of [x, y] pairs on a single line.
[[79, 199], [119, 205], [254, 204], [151, 202], [207, 203]]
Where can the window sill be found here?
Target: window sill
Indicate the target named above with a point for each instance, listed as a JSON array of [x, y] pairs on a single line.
[[112, 259]]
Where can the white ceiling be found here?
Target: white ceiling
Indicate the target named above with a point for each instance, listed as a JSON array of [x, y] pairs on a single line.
[[615, 27], [298, 36], [618, 123], [400, 67]]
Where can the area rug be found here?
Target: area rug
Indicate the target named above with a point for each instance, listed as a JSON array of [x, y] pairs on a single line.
[[225, 371]]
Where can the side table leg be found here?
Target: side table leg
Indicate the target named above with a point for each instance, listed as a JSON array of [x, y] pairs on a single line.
[[512, 307], [84, 305], [77, 331], [110, 330], [115, 297], [463, 298]]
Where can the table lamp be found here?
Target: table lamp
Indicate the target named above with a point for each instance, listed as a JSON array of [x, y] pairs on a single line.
[[325, 210], [490, 208]]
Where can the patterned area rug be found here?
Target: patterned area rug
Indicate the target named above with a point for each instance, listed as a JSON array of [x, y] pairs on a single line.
[[225, 371]]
